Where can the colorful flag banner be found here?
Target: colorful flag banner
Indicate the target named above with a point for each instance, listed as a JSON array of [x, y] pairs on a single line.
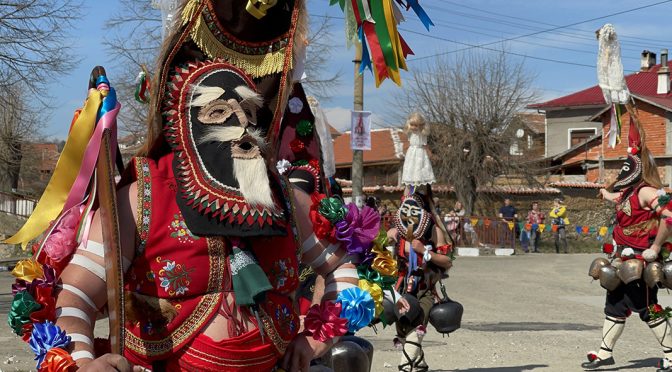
[[511, 226], [541, 227]]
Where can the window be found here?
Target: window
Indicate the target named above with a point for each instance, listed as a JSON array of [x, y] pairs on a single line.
[[515, 150], [577, 136]]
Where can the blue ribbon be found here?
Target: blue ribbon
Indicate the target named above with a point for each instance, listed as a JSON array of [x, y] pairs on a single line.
[[424, 18], [46, 336], [366, 57]]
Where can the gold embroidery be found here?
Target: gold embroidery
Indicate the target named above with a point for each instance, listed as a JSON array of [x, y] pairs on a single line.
[[270, 330], [638, 228], [626, 208], [197, 318]]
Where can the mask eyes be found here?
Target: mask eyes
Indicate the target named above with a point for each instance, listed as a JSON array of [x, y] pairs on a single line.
[[217, 112], [625, 168]]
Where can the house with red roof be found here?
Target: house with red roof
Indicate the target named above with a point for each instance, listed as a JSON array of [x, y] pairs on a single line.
[[382, 164], [577, 125]]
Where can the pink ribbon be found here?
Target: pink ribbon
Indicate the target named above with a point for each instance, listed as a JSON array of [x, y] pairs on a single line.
[[108, 121]]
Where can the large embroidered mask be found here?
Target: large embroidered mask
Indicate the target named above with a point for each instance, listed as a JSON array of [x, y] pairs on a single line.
[[630, 174], [412, 219], [224, 185]]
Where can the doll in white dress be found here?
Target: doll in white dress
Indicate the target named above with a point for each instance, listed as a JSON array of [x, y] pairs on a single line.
[[417, 167]]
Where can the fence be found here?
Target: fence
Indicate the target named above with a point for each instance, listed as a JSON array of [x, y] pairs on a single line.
[[487, 231], [17, 205]]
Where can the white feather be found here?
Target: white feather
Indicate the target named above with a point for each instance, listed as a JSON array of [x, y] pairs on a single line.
[[203, 95]]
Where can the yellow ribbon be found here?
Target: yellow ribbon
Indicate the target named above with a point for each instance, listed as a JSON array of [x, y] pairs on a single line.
[[375, 291], [28, 270], [67, 168], [385, 264], [396, 43]]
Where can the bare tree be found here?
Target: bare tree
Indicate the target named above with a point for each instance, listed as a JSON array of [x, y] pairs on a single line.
[[18, 125], [471, 102], [136, 39], [33, 42]]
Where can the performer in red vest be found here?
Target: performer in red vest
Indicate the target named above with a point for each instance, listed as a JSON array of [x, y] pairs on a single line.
[[641, 205]]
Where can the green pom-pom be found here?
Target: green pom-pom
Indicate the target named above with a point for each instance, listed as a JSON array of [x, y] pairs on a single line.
[[22, 306], [304, 128], [300, 163], [332, 209]]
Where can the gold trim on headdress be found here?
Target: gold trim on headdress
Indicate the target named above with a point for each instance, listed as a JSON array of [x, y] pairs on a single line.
[[256, 65]]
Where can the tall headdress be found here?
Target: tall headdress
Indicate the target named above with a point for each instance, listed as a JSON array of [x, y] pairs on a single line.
[[639, 164]]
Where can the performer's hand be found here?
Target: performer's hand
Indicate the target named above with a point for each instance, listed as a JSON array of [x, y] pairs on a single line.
[[418, 247], [403, 306], [111, 363], [301, 351], [651, 254]]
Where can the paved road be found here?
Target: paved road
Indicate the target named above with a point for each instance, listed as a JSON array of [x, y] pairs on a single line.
[[522, 313]]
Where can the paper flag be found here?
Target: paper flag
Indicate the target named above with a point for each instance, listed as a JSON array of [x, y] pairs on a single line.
[[603, 231], [585, 229], [511, 226], [542, 227], [486, 222], [474, 221], [528, 227], [578, 229], [554, 228]]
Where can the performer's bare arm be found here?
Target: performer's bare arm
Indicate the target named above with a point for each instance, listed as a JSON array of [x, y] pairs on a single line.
[[648, 197], [83, 289], [611, 196]]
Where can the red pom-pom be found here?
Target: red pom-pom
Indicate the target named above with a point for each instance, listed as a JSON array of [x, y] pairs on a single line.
[[592, 357], [315, 164], [657, 308], [297, 146], [444, 249], [608, 248]]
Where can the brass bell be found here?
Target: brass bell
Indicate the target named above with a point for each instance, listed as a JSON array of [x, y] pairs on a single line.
[[653, 274], [595, 266], [631, 270], [609, 279]]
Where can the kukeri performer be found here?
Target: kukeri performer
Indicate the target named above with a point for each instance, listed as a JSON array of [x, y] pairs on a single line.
[[635, 272], [214, 214], [423, 254]]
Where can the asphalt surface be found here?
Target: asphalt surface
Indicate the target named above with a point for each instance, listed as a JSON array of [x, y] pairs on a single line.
[[522, 313]]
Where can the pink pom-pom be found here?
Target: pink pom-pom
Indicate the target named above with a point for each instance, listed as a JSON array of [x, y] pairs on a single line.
[[324, 322], [62, 241]]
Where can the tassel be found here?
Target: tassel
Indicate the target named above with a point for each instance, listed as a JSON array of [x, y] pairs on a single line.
[[260, 325], [249, 280]]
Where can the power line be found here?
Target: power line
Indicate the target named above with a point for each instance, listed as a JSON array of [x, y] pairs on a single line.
[[539, 22], [545, 30]]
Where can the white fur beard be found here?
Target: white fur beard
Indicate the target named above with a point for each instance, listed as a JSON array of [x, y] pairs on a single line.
[[252, 178]]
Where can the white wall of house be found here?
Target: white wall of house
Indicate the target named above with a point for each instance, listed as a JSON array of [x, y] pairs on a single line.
[[560, 122]]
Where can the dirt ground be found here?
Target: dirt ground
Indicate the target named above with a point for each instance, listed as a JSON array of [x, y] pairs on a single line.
[[536, 312]]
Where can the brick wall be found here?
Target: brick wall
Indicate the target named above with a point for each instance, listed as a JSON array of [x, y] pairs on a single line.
[[654, 123]]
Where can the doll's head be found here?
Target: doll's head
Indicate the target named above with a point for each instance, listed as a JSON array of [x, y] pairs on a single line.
[[417, 124]]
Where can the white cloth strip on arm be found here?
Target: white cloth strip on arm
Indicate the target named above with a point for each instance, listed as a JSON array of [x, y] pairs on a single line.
[[345, 273], [79, 293], [82, 354], [309, 243], [338, 287], [87, 263], [99, 250], [388, 295], [78, 337], [72, 312], [325, 255]]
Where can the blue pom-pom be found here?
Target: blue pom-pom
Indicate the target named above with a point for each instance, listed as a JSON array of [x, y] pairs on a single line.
[[358, 307], [46, 336]]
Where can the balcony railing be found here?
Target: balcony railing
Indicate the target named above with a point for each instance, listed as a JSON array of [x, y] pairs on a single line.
[[17, 205]]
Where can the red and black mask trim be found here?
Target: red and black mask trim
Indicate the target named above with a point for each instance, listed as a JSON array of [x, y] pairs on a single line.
[[225, 187], [630, 174]]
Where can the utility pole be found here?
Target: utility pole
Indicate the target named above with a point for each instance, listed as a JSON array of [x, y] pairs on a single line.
[[357, 172]]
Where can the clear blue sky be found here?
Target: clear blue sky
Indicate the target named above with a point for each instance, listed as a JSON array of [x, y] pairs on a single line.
[[470, 22]]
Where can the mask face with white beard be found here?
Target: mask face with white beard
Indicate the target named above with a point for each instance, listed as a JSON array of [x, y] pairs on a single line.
[[211, 124]]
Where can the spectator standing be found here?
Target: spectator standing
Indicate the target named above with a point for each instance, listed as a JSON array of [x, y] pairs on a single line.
[[508, 213], [532, 233], [560, 221], [452, 220]]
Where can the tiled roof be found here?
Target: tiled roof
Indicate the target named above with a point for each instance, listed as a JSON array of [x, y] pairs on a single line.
[[387, 146], [535, 122], [580, 185], [642, 84], [443, 189]]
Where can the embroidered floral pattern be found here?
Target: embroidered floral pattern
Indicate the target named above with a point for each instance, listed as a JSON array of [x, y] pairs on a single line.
[[282, 271], [285, 319], [180, 231], [144, 184], [174, 278]]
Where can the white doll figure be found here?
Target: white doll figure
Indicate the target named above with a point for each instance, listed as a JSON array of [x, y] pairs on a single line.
[[417, 167]]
